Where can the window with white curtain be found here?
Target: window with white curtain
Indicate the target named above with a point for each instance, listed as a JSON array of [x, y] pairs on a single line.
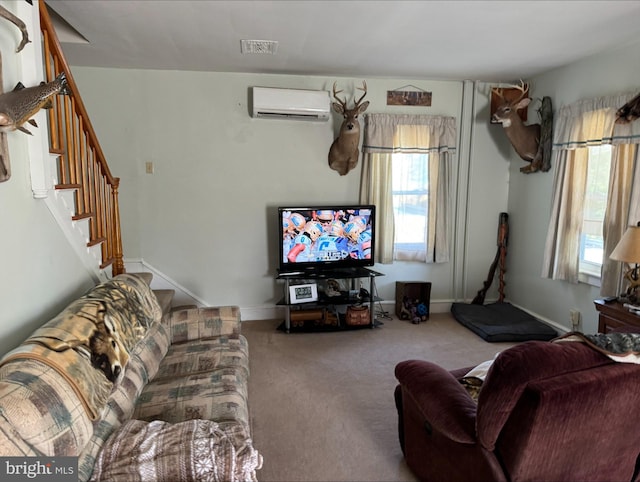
[[596, 191], [406, 174], [595, 205], [410, 191]]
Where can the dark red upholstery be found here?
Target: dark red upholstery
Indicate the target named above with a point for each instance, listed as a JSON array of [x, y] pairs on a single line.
[[546, 412]]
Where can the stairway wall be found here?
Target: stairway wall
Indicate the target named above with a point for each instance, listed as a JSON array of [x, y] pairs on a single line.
[[40, 271]]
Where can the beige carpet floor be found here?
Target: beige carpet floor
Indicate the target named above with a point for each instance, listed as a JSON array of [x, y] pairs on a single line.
[[322, 405]]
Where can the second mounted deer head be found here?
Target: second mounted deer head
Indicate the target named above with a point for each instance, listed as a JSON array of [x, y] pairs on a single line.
[[629, 112], [525, 139], [344, 152]]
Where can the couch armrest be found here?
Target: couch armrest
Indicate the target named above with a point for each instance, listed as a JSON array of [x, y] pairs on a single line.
[[201, 323], [440, 398]]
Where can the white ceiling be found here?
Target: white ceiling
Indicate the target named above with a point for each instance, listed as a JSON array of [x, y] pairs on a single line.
[[448, 40]]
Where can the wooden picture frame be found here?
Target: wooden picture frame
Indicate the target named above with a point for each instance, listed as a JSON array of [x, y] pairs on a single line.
[[419, 98]]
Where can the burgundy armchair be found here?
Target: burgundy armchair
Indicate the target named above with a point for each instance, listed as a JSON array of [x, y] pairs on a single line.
[[546, 412]]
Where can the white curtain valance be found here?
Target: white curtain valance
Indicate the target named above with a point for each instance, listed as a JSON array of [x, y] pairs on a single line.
[[591, 122], [381, 133], [387, 134]]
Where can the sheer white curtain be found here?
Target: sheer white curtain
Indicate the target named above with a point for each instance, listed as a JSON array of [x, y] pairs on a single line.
[[578, 126], [619, 213], [386, 134]]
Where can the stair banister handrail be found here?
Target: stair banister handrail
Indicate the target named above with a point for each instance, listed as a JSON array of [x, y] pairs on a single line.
[[47, 25], [85, 160]]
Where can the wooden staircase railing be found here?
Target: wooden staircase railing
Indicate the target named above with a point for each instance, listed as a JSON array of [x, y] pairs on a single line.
[[81, 162]]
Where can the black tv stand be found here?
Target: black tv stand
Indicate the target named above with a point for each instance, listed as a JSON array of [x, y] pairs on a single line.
[[320, 305]]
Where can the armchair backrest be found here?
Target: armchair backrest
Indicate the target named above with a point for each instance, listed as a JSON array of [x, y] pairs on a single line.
[[547, 408]]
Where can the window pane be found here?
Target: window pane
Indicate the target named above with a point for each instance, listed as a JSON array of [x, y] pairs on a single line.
[[591, 240], [410, 200]]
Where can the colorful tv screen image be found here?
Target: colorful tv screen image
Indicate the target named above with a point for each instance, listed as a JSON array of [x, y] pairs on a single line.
[[341, 236]]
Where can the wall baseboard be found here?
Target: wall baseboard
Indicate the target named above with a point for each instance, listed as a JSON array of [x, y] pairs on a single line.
[[386, 307], [557, 326], [275, 312], [161, 281]]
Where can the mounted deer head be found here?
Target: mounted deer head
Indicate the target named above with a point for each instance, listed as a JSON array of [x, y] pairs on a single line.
[[344, 152], [525, 139]]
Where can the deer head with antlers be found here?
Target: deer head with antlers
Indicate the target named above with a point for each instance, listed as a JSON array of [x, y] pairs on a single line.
[[344, 152], [525, 139]]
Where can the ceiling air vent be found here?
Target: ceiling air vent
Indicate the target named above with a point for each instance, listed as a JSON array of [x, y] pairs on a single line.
[[258, 46]]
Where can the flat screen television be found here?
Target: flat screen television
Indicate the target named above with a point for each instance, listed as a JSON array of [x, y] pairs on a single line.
[[326, 237]]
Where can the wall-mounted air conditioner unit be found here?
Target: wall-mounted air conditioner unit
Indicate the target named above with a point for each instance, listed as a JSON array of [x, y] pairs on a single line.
[[274, 103]]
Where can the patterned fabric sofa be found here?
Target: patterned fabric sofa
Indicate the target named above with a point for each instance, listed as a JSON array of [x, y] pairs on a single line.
[[133, 394]]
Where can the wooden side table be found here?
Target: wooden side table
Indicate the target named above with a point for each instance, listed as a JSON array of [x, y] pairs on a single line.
[[414, 290], [614, 315]]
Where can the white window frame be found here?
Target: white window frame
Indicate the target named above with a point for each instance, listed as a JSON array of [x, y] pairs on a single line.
[[420, 191], [589, 271]]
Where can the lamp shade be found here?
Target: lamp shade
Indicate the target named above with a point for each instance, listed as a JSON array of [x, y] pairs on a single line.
[[628, 249]]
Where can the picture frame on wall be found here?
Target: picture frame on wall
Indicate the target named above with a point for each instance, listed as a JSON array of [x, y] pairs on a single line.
[[414, 96], [304, 293]]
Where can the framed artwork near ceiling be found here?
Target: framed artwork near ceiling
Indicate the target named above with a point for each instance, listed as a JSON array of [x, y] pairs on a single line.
[[416, 97]]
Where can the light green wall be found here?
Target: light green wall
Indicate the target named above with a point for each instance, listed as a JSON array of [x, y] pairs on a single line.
[[39, 272], [210, 157], [206, 217]]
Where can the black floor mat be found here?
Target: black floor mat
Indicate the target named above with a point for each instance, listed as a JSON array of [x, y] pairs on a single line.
[[501, 322]]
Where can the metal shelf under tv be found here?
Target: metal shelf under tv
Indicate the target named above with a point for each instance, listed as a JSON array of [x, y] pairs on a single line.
[[346, 298]]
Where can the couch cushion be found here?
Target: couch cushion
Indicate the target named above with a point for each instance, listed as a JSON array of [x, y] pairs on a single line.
[[151, 350], [190, 450], [198, 323], [11, 443], [75, 370], [39, 410], [203, 356], [201, 379]]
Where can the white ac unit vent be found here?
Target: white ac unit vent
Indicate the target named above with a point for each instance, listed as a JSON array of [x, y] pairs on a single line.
[[298, 104]]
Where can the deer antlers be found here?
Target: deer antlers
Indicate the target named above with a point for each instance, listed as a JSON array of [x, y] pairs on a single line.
[[335, 95], [343, 103], [523, 88]]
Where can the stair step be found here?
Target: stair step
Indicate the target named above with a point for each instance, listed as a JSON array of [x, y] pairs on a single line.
[[145, 276], [165, 297]]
